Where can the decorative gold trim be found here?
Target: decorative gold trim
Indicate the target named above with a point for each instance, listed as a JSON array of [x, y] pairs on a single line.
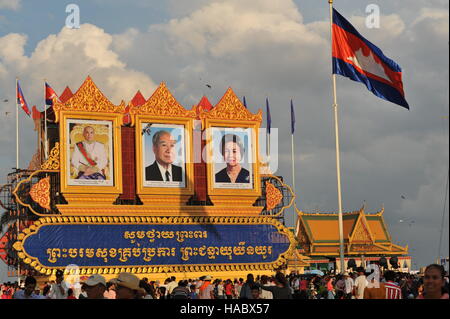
[[28, 180], [230, 108], [293, 195], [163, 192], [161, 104], [116, 120], [234, 194], [40, 192], [59, 220], [88, 98], [273, 196], [358, 231], [52, 162], [165, 208]]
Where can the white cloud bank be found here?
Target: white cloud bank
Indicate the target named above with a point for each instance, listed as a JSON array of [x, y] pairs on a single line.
[[10, 4]]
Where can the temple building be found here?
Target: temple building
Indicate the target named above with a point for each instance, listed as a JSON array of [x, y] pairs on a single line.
[[366, 241]]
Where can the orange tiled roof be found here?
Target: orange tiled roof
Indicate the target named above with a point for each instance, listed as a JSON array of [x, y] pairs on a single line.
[[358, 229]]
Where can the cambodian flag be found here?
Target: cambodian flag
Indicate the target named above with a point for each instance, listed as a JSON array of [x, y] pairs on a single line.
[[50, 94], [357, 58], [21, 100]]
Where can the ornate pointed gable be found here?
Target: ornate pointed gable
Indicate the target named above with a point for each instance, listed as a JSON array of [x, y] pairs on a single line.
[[361, 234], [88, 98], [231, 108], [162, 103], [378, 227], [302, 234]]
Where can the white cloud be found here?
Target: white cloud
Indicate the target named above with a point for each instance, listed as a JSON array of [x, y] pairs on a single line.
[[12, 50], [227, 27], [66, 58], [10, 4], [434, 19]]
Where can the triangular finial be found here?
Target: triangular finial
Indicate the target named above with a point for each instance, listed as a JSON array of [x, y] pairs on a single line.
[[138, 99], [382, 210], [205, 104]]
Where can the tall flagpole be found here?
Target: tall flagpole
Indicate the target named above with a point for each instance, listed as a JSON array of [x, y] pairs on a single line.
[[268, 129], [17, 169], [293, 164], [45, 121], [338, 165], [293, 156], [17, 126], [293, 186]]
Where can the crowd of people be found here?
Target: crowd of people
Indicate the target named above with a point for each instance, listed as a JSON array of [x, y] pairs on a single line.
[[432, 284]]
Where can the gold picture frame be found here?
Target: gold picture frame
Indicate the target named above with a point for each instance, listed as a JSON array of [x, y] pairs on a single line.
[[155, 191], [108, 126], [237, 193]]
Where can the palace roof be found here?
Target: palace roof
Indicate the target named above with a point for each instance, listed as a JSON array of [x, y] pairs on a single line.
[[367, 234]]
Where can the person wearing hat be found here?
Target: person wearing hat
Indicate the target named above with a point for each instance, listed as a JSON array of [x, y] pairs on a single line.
[[360, 283], [59, 289], [95, 287], [127, 286]]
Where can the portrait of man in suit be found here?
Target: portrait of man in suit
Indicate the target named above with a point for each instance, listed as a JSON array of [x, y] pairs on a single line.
[[163, 169]]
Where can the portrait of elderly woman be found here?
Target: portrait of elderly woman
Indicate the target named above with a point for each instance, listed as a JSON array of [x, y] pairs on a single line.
[[233, 151]]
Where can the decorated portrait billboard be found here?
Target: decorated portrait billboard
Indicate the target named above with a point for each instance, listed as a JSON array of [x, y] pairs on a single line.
[[90, 153]]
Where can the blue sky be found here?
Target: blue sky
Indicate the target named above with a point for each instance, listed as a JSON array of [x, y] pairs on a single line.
[[265, 48], [38, 20]]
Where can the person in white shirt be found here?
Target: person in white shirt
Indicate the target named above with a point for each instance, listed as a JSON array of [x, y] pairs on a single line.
[[89, 157], [220, 290], [171, 285], [360, 284], [265, 294], [59, 289], [348, 286]]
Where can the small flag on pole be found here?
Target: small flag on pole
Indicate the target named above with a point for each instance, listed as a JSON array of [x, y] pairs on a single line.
[[269, 119], [36, 117], [50, 94], [21, 100], [292, 119], [36, 114], [358, 59]]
